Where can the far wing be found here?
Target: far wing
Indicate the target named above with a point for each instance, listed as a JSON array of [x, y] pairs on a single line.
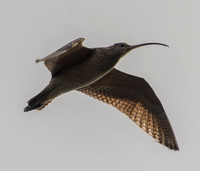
[[66, 56], [134, 97]]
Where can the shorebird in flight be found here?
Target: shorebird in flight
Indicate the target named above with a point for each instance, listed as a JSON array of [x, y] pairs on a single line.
[[91, 71]]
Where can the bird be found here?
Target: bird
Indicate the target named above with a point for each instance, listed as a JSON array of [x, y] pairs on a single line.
[[92, 71]]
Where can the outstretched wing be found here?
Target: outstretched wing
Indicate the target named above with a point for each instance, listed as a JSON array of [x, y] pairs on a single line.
[[134, 97], [65, 57]]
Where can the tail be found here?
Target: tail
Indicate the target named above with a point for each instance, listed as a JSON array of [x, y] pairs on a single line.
[[39, 101]]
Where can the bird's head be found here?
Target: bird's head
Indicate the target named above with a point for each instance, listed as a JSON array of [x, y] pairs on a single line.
[[120, 49]]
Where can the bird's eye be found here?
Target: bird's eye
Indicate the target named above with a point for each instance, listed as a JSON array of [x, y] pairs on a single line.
[[121, 45]]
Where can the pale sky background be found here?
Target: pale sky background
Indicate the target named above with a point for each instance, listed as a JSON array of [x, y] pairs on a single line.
[[76, 132]]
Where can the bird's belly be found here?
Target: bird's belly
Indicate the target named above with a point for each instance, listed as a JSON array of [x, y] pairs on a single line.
[[79, 76]]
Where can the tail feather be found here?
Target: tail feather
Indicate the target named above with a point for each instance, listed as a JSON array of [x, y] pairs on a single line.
[[39, 101]]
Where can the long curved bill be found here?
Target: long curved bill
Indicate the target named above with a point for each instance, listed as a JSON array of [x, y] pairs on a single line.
[[145, 44]]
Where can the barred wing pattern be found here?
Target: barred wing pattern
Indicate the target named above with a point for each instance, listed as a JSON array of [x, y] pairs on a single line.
[[134, 97]]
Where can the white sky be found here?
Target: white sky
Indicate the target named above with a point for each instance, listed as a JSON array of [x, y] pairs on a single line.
[[76, 132]]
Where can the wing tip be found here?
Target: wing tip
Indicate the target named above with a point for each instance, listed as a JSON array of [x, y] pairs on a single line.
[[78, 40], [38, 60], [170, 144], [81, 39], [173, 147]]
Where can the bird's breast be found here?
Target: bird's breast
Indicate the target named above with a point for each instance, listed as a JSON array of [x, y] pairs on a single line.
[[84, 73]]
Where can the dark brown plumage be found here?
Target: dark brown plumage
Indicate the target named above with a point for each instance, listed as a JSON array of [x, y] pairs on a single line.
[[91, 71]]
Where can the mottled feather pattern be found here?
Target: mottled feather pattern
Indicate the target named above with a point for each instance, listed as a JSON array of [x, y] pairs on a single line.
[[149, 116], [132, 95], [154, 126]]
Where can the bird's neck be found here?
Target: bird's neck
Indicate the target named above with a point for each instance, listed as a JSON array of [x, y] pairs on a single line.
[[106, 58], [108, 54]]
